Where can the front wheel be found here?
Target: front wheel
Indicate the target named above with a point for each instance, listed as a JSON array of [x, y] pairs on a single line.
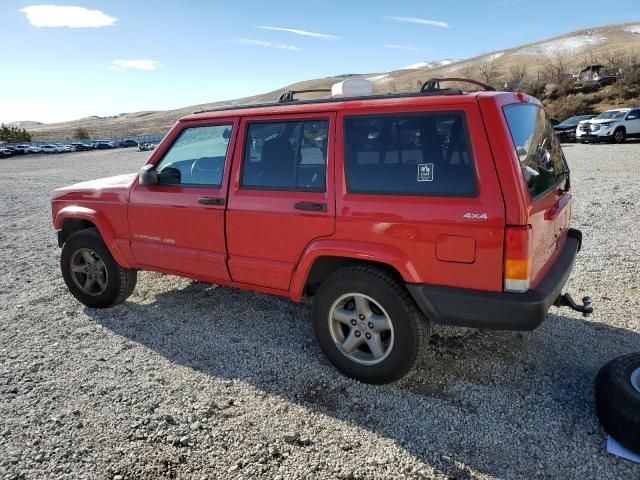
[[367, 324], [619, 136], [91, 273]]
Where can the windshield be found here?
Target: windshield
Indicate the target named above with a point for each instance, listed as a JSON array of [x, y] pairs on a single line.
[[570, 122], [613, 114]]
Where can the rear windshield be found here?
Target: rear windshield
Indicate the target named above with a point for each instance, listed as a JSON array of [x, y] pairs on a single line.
[[541, 159]]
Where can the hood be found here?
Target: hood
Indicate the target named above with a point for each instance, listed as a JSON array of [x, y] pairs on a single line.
[[562, 128], [604, 120], [109, 188]]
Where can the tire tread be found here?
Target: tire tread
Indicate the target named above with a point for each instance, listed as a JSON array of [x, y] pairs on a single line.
[[617, 402]]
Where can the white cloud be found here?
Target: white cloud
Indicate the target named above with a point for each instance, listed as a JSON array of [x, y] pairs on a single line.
[[66, 16], [421, 21], [304, 33], [139, 64], [403, 47], [262, 43]]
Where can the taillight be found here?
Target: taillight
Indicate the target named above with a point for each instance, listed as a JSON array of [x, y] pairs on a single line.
[[517, 259]]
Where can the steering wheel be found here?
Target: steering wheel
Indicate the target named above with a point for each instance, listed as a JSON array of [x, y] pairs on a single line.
[[207, 169]]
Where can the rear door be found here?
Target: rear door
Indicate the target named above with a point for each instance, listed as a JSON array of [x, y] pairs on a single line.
[[545, 173], [421, 181], [281, 195], [178, 224]]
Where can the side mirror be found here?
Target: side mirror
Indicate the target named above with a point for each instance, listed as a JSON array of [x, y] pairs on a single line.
[[148, 175], [169, 176]]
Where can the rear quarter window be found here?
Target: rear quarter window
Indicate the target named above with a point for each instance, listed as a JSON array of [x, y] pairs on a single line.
[[542, 162], [425, 153]]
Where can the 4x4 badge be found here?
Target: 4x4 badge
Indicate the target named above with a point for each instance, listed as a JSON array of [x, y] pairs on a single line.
[[425, 172], [483, 216]]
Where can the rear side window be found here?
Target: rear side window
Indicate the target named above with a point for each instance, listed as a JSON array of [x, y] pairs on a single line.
[[287, 155], [541, 159], [414, 154]]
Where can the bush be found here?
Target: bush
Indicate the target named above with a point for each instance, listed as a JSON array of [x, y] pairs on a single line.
[[628, 86], [535, 89], [14, 134], [81, 133], [570, 106]]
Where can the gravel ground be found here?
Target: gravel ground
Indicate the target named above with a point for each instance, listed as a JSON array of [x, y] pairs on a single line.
[[189, 380]]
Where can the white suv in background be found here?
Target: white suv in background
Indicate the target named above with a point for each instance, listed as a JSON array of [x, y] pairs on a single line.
[[610, 126]]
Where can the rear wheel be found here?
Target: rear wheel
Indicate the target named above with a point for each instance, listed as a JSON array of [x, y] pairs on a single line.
[[619, 136], [91, 273], [368, 325]]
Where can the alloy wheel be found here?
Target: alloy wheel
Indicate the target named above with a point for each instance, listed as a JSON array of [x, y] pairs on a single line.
[[89, 272], [361, 328]]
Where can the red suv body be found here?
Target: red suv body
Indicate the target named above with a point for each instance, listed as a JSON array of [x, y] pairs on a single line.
[[452, 209]]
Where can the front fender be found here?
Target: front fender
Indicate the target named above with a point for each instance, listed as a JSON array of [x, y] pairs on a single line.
[[351, 249], [113, 244]]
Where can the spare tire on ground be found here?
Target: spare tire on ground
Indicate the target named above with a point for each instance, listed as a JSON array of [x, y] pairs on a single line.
[[618, 400]]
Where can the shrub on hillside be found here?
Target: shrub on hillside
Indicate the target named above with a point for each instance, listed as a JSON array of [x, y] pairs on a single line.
[[535, 89], [628, 86], [568, 106]]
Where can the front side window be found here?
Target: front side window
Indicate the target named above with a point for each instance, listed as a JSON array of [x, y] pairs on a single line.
[[197, 157], [633, 115], [286, 155], [412, 154], [541, 159]]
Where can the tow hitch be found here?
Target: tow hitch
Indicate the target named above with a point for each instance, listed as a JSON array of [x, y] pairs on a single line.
[[565, 300]]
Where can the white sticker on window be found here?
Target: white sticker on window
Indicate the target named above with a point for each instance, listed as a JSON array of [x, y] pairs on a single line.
[[425, 172]]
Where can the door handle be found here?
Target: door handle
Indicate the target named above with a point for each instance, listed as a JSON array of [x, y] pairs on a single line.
[[311, 206], [211, 200]]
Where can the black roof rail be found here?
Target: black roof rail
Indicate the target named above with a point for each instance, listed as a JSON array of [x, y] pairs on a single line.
[[288, 96], [433, 85]]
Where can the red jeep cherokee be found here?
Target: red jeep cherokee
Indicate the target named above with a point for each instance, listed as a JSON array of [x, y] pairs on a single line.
[[393, 211]]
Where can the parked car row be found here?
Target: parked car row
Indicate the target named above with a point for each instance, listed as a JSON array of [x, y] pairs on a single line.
[[10, 150], [614, 126]]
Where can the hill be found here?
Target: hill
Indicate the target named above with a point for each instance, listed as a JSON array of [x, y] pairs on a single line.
[[524, 67]]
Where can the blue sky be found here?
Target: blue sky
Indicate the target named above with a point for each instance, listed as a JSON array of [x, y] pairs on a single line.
[[125, 56]]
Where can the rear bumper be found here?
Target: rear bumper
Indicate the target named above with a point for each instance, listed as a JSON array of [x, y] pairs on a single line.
[[499, 310]]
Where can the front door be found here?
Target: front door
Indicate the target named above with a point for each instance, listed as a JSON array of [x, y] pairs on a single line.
[[178, 224], [633, 123], [282, 195]]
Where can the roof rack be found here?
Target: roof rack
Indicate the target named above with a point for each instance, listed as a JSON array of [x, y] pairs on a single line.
[[432, 85], [288, 96]]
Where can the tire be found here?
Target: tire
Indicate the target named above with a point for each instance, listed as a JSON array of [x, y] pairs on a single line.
[[619, 136], [618, 400], [392, 324], [112, 285]]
